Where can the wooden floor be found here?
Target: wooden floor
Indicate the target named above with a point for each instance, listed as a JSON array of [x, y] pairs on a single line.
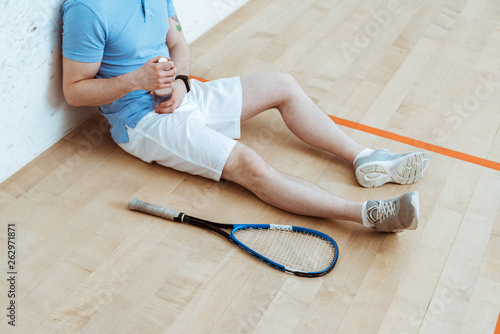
[[428, 70]]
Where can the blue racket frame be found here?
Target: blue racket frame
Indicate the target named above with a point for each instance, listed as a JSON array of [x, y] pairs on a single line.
[[276, 265]]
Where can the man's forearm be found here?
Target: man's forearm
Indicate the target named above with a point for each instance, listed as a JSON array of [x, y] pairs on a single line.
[[98, 92], [181, 57]]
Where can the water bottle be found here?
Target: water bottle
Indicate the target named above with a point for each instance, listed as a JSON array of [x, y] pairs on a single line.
[[161, 95]]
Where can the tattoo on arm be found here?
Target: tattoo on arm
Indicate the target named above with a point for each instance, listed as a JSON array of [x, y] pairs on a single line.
[[178, 25]]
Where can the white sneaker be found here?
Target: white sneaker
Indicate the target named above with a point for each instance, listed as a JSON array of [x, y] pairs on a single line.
[[394, 215], [381, 167]]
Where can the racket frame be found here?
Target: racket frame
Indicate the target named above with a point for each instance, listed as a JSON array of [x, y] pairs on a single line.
[[181, 217]]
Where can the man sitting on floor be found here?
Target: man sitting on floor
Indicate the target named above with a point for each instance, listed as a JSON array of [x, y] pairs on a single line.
[[111, 51]]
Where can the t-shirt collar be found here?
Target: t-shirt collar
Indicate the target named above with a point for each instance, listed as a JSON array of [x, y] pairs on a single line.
[[145, 10]]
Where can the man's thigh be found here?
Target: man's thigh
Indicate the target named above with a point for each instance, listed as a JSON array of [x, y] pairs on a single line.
[[220, 102], [264, 91]]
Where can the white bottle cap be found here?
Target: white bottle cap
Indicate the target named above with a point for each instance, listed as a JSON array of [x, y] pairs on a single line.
[[162, 60]]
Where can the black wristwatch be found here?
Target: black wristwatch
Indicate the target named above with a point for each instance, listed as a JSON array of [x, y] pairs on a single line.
[[184, 78]]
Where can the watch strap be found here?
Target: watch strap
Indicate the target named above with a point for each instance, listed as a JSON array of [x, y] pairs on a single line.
[[185, 79]]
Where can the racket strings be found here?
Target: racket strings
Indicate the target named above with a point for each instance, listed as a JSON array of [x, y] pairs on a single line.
[[295, 250]]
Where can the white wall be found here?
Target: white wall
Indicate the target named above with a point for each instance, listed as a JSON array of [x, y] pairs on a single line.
[[33, 112], [198, 16]]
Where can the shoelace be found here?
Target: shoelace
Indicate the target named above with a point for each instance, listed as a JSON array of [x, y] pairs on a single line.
[[385, 209]]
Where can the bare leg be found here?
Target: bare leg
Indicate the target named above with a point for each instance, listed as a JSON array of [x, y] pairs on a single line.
[[288, 193], [308, 122], [301, 115]]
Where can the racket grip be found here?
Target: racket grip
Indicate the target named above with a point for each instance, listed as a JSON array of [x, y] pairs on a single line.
[[152, 209]]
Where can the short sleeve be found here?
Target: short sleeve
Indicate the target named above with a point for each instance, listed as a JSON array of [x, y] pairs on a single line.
[[84, 35], [170, 8]]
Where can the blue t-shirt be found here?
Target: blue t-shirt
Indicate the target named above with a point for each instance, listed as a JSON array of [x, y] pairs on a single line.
[[123, 35]]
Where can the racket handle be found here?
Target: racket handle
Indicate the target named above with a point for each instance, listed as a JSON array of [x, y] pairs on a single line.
[[152, 209]]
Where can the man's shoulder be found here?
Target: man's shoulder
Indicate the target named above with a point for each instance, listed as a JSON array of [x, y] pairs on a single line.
[[86, 3]]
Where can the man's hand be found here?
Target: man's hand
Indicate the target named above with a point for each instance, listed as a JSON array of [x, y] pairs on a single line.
[[178, 93], [153, 75]]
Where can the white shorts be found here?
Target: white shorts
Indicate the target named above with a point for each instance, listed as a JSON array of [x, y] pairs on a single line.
[[197, 137]]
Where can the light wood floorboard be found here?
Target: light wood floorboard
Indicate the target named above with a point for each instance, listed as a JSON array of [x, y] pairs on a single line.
[[426, 69]]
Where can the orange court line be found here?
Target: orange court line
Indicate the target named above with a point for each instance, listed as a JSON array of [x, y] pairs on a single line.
[[196, 78], [409, 141], [418, 143]]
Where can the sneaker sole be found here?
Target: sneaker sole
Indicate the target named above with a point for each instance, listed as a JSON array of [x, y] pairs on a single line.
[[405, 170], [416, 204]]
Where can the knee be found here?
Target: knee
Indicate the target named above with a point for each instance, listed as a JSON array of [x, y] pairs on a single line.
[[289, 87], [254, 170], [246, 168], [287, 81], [257, 172]]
